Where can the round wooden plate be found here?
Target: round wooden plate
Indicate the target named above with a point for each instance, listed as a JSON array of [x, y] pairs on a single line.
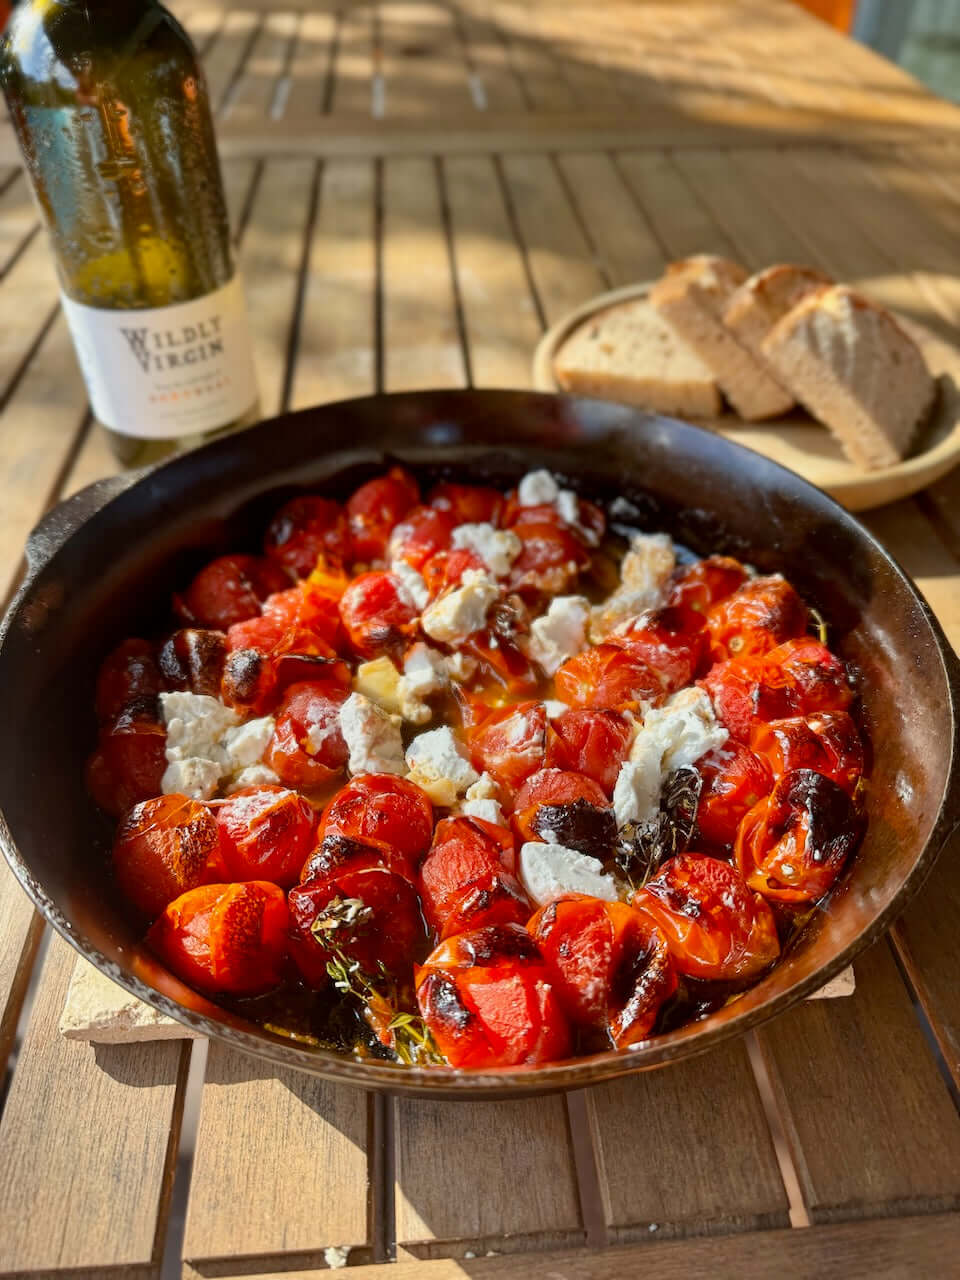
[[796, 440]]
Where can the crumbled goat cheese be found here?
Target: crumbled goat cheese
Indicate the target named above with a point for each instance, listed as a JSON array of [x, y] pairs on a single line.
[[670, 737], [548, 871], [644, 574], [320, 731], [246, 743], [459, 613], [412, 586], [424, 674], [372, 736], [559, 633], [554, 707], [439, 765], [482, 801], [193, 776], [536, 489], [568, 508], [497, 548], [255, 775], [379, 680], [196, 757]]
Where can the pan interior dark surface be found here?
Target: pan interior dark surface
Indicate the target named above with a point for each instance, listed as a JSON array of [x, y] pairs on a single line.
[[112, 577]]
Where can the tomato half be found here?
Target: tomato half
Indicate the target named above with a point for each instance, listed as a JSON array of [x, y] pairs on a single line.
[[716, 926], [383, 812], [225, 937], [607, 677], [792, 845], [164, 847], [594, 743], [308, 531], [375, 508], [469, 503], [307, 747], [265, 833], [421, 534], [733, 780], [755, 619], [486, 999], [127, 675], [663, 640], [377, 614], [230, 589], [510, 743], [610, 966], [827, 742]]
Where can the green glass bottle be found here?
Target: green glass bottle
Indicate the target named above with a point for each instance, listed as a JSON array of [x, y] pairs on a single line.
[[110, 108]]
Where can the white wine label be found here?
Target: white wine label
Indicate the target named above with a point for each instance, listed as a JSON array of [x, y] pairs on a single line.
[[167, 371]]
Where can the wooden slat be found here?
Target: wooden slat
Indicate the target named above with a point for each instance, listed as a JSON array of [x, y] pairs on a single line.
[[485, 1175], [625, 246], [422, 60], [280, 1165], [28, 296], [337, 352], [20, 932], [892, 1250], [871, 1125], [420, 332], [544, 85], [682, 224], [311, 66], [353, 73], [500, 317], [226, 57], [490, 62], [253, 93], [18, 217], [678, 1178], [88, 1138], [561, 261]]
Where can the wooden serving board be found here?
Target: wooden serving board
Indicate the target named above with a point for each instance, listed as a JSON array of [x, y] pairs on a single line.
[[796, 440]]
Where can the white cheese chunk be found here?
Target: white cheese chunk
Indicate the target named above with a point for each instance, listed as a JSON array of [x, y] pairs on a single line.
[[554, 707], [560, 633], [482, 801], [412, 587], [459, 613], [568, 508], [379, 680], [372, 736], [195, 723], [497, 548], [645, 572], [424, 674], [207, 746], [246, 743], [192, 776], [636, 795], [536, 489], [439, 765], [548, 871], [255, 775]]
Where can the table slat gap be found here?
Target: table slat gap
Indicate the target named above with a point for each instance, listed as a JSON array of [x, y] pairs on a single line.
[[223, 65], [450, 244]]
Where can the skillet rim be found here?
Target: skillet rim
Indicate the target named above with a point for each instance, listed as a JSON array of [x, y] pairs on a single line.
[[59, 525]]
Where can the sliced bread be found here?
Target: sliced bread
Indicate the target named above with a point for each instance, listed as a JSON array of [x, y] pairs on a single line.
[[853, 367], [692, 298], [626, 352], [766, 298]]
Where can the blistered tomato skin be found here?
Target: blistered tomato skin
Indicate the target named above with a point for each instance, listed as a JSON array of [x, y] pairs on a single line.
[[757, 617], [366, 913], [377, 615], [551, 561], [230, 589], [307, 747], [470, 874], [510, 743], [716, 927], [468, 503], [486, 998], [384, 812], [733, 780], [265, 834], [225, 938], [704, 584], [375, 508], [421, 534], [128, 675], [792, 845], [607, 677], [553, 789], [663, 641], [164, 847], [446, 568], [609, 965], [827, 742], [591, 742], [591, 521], [134, 748], [308, 531], [193, 659]]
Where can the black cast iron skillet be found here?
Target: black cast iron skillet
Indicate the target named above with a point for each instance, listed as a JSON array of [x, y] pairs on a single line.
[[102, 566]]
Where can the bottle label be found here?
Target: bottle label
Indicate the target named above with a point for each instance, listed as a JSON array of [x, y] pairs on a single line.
[[170, 371]]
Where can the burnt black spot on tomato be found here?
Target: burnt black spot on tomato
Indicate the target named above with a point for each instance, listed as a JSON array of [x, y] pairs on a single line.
[[242, 674], [332, 855], [441, 1002], [579, 825], [821, 807], [495, 942], [193, 658]]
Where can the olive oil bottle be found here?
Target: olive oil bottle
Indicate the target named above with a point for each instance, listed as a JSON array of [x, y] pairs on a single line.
[[110, 108]]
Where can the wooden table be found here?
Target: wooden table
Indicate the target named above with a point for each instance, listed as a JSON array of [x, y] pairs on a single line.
[[417, 190]]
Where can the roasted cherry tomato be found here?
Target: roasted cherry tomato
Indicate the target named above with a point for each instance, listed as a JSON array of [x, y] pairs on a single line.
[[377, 614], [229, 590], [134, 748], [308, 531], [129, 674], [827, 742], [468, 503], [225, 937], [663, 640], [792, 845], [365, 913], [610, 966], [446, 568], [590, 524], [551, 560], [733, 780], [307, 607], [796, 678], [421, 534], [164, 847], [502, 661], [607, 677], [107, 791], [487, 1001], [375, 508], [385, 813], [265, 834], [510, 743], [193, 659], [755, 619], [555, 789], [715, 926], [703, 585], [307, 747], [470, 874], [594, 743]]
